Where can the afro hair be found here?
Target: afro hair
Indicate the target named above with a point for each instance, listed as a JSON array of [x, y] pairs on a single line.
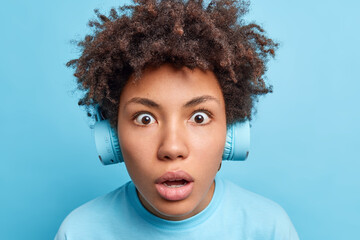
[[189, 33]]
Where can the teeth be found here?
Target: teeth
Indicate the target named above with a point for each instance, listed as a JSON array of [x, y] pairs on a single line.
[[174, 186], [175, 183]]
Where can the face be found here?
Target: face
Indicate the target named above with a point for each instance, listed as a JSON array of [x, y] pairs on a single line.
[[172, 131]]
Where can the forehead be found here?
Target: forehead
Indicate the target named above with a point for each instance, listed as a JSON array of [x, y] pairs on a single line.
[[169, 84]]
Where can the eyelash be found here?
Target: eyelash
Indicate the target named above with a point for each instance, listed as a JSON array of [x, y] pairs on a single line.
[[204, 110], [139, 113], [192, 114]]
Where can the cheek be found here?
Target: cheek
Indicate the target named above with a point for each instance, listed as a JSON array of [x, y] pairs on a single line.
[[136, 152], [209, 142], [207, 150], [136, 144], [137, 166]]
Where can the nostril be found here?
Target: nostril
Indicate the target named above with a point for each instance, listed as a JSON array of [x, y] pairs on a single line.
[[169, 157]]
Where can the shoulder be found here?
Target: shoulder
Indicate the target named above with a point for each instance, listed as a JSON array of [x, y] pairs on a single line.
[[250, 201], [261, 215], [99, 205], [92, 215]]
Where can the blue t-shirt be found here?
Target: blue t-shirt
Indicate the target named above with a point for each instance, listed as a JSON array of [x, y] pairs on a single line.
[[233, 213]]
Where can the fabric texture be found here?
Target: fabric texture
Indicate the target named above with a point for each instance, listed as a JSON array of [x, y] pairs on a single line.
[[233, 213]]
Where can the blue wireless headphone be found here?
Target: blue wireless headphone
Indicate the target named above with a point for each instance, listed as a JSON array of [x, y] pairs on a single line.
[[107, 143]]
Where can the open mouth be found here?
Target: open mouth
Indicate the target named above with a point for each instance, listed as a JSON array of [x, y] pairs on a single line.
[[174, 186]]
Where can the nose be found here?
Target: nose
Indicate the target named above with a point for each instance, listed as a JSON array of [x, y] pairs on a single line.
[[173, 143]]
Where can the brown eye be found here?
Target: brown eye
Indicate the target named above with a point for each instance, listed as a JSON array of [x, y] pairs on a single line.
[[144, 119], [200, 118]]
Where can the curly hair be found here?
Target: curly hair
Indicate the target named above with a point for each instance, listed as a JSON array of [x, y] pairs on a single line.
[[150, 33]]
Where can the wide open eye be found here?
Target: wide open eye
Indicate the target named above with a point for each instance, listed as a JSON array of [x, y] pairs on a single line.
[[144, 119], [200, 118]]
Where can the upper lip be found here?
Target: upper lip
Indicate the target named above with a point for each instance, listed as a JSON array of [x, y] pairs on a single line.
[[174, 176]]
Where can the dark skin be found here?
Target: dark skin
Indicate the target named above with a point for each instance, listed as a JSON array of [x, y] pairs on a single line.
[[177, 32]]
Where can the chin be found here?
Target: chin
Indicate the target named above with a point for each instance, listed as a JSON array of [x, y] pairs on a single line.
[[175, 210]]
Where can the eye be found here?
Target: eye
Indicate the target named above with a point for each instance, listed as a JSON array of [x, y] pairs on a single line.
[[201, 118], [144, 119]]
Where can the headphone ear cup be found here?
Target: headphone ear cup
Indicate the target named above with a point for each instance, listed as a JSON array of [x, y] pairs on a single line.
[[107, 143], [237, 144]]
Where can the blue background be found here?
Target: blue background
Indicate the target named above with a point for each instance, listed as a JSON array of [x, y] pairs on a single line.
[[304, 149]]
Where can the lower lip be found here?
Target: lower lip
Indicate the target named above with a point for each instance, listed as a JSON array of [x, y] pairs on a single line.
[[174, 193]]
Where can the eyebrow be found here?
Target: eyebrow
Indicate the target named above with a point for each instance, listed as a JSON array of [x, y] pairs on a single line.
[[197, 100], [193, 102], [144, 101]]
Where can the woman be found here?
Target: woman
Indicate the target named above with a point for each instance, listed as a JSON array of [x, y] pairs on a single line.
[[170, 77]]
